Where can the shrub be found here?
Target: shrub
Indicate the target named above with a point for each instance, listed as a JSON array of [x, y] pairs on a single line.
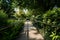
[[3, 18], [51, 22], [12, 31]]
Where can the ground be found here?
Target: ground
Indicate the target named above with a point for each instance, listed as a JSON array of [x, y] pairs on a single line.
[[30, 32]]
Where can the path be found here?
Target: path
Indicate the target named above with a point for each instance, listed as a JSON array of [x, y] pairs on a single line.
[[30, 32]]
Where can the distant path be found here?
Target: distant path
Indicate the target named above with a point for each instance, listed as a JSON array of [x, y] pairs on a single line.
[[30, 32]]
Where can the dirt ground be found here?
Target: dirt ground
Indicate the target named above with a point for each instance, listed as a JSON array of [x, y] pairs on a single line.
[[30, 33]]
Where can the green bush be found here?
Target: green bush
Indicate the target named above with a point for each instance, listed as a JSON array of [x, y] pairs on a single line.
[[38, 21], [54, 36], [51, 21], [3, 18], [12, 31]]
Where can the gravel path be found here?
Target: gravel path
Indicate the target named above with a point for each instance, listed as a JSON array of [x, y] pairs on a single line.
[[30, 32]]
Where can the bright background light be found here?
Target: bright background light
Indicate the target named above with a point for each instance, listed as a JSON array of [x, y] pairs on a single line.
[[16, 9], [25, 11]]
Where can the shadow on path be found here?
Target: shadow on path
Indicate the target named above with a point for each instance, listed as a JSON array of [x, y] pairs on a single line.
[[30, 32]]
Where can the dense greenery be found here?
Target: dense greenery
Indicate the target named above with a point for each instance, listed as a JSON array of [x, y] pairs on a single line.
[[9, 25], [9, 28], [50, 22], [43, 13], [12, 31], [3, 18]]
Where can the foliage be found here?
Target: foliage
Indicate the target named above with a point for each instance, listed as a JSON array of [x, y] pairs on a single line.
[[54, 36], [51, 22], [9, 5], [3, 18], [12, 31], [38, 21], [20, 14]]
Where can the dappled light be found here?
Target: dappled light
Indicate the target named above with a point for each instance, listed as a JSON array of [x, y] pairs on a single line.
[[25, 11], [29, 19]]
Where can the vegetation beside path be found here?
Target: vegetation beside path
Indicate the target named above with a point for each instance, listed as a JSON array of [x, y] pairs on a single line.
[[44, 14]]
